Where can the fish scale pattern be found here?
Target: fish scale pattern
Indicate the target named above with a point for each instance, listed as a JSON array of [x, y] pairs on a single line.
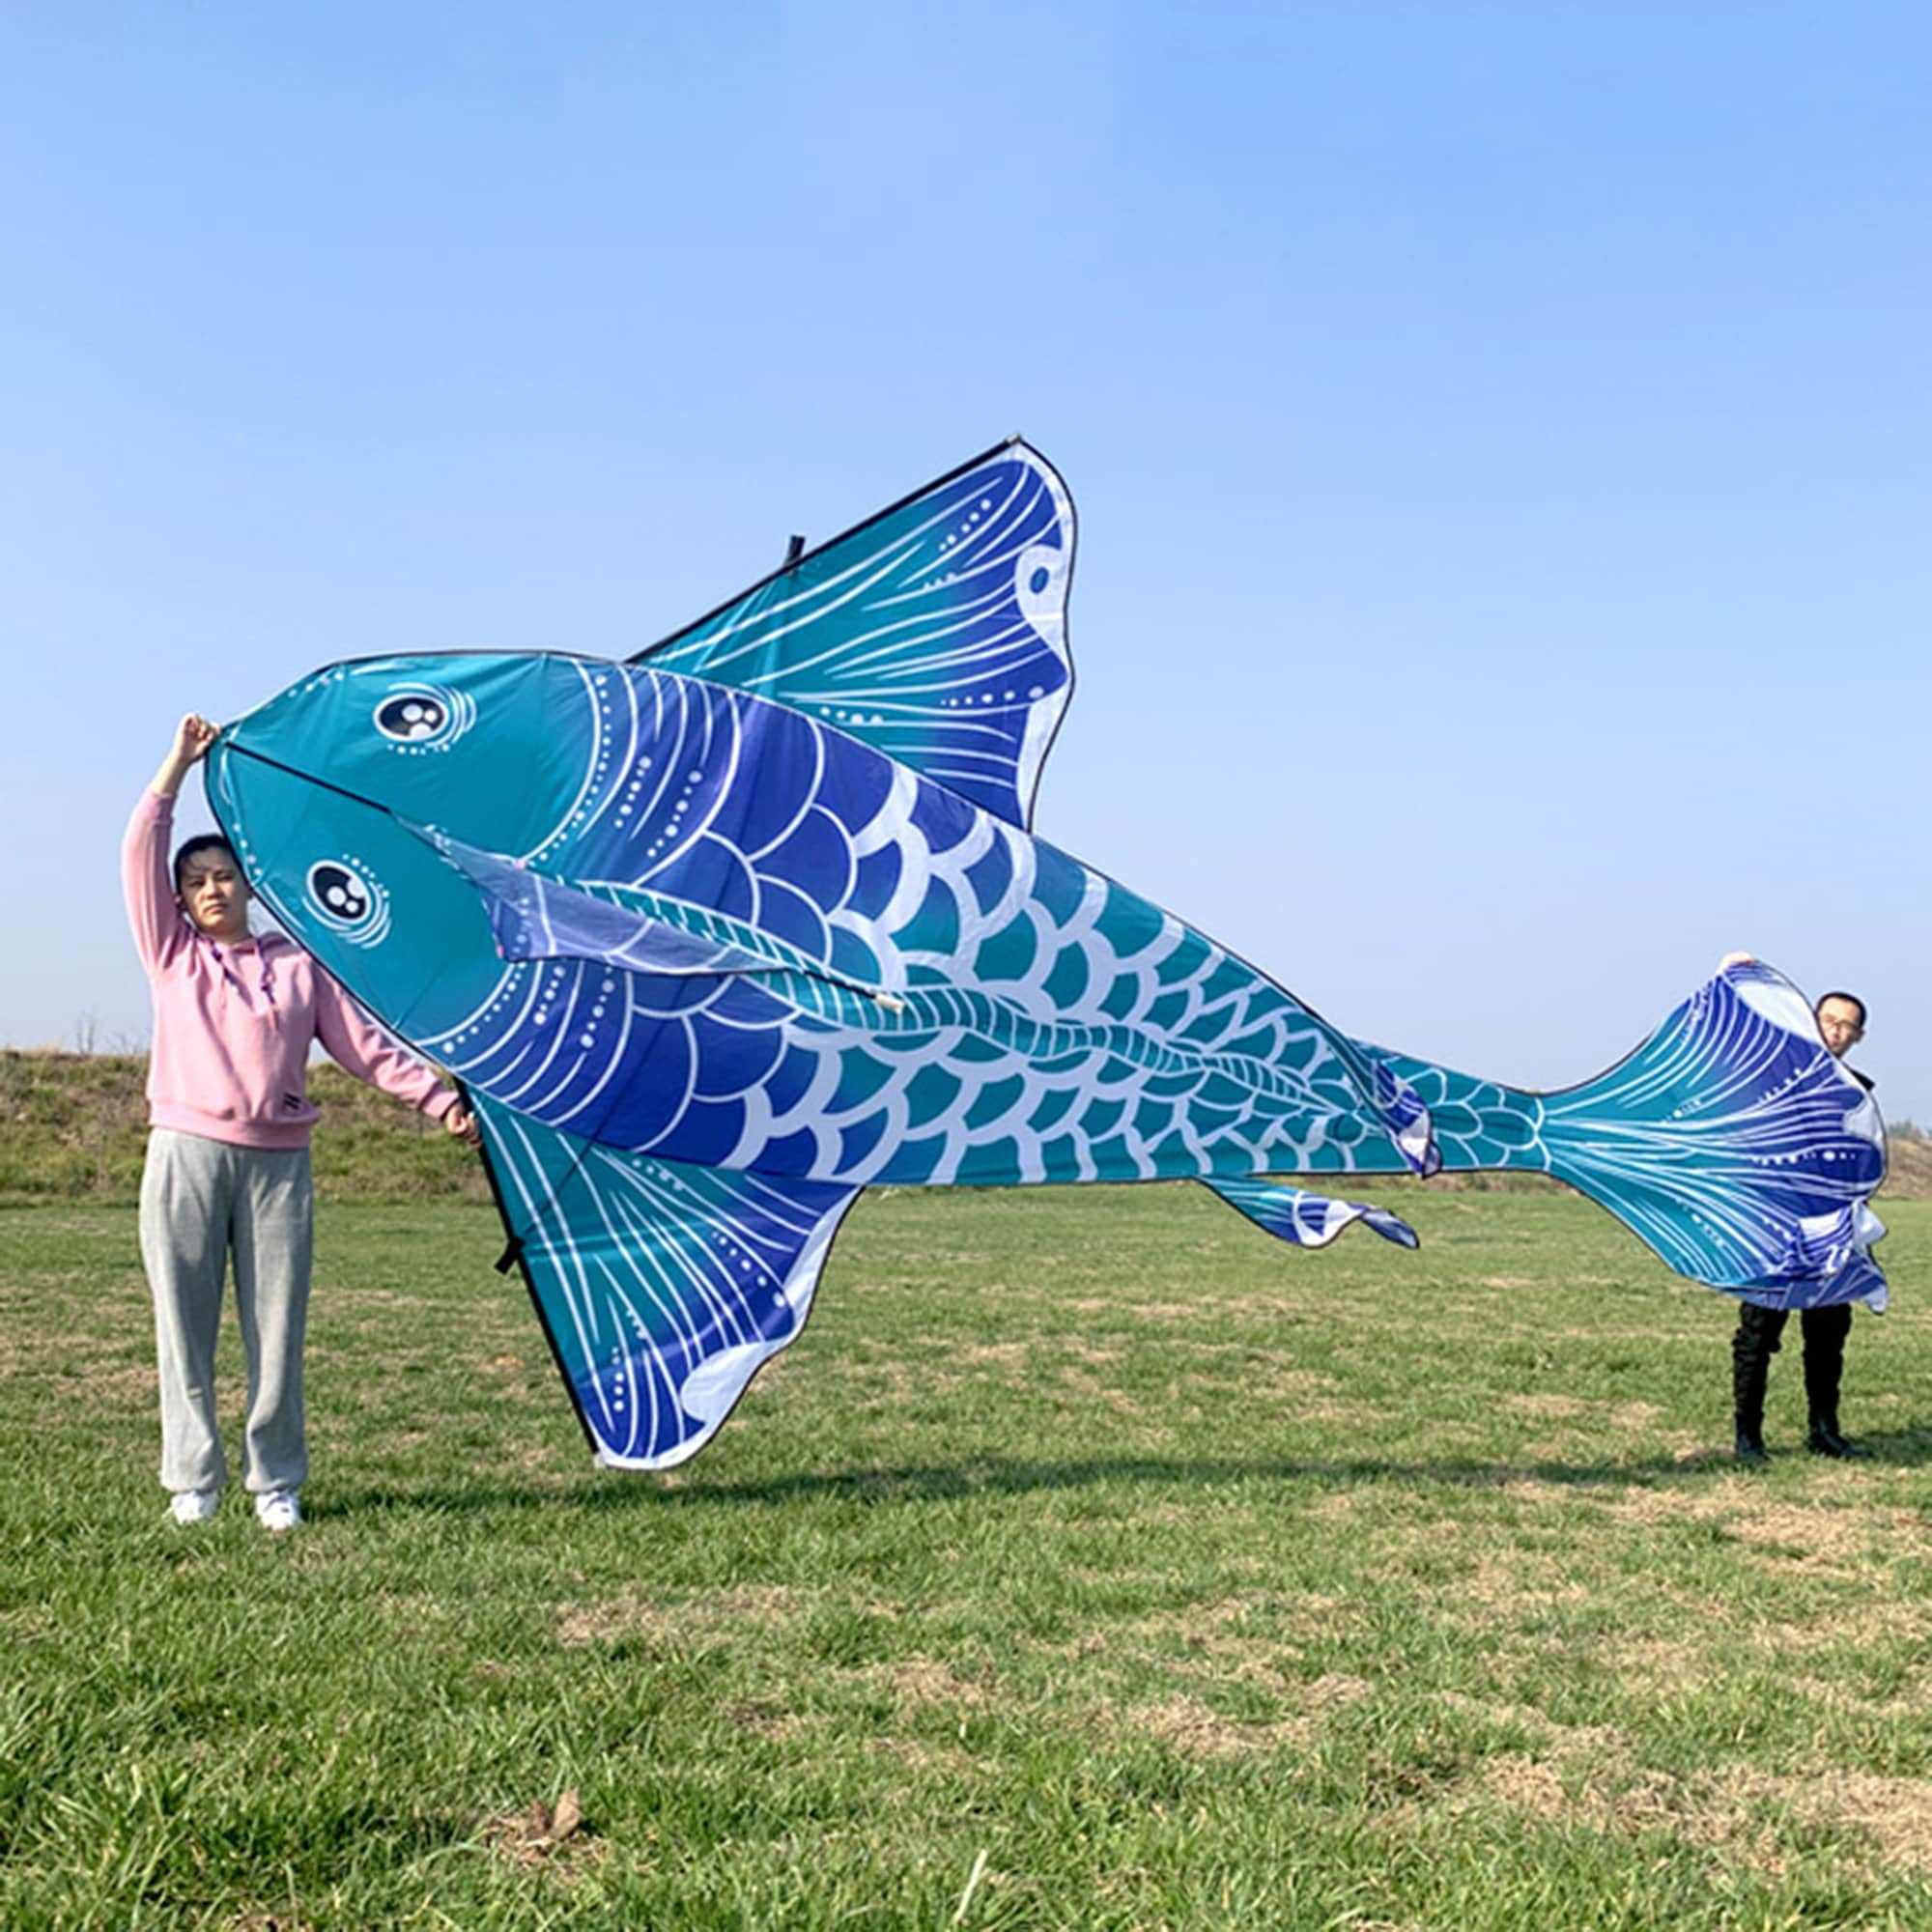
[[1040, 1022]]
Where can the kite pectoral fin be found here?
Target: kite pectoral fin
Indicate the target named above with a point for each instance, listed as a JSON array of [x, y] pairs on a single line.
[[1307, 1220], [534, 915], [661, 1288]]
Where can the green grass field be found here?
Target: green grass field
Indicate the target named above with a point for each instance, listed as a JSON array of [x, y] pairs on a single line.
[[1092, 1562]]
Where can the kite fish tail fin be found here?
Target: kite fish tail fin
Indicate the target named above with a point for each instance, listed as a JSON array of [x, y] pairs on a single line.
[[1730, 1143], [661, 1288]]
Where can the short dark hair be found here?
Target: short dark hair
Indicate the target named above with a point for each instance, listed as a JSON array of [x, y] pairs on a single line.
[[205, 841], [1850, 998]]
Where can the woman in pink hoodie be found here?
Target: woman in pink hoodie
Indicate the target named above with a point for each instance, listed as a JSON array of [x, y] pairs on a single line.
[[227, 1170]]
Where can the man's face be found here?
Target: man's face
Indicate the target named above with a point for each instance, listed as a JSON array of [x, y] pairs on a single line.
[[1839, 1021], [215, 894]]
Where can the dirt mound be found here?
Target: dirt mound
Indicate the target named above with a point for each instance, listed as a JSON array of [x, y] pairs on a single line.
[[1910, 1175], [74, 1126]]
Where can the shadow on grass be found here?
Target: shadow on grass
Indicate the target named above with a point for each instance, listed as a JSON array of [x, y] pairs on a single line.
[[1000, 1475]]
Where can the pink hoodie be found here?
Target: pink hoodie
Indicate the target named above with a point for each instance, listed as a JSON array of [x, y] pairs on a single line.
[[233, 1025]]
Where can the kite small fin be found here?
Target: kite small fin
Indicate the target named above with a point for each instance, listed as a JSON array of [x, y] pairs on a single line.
[[1406, 1120], [935, 631], [1307, 1220], [536, 917], [1730, 1143], [661, 1288]]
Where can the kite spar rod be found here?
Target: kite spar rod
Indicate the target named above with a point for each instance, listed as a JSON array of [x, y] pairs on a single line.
[[793, 559]]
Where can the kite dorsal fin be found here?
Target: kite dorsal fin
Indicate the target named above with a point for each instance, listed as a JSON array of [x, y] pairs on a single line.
[[936, 632]]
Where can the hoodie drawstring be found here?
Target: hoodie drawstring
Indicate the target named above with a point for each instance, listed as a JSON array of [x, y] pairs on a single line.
[[268, 980]]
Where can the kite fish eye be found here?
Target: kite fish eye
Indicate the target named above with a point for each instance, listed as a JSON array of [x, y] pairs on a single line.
[[411, 717], [348, 898], [424, 717]]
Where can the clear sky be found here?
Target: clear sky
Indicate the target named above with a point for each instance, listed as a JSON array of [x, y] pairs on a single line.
[[1500, 436]]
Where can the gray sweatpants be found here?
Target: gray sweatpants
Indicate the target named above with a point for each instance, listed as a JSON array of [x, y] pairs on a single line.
[[202, 1200]]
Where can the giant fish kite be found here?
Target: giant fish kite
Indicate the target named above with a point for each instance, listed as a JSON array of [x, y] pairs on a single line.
[[719, 936]]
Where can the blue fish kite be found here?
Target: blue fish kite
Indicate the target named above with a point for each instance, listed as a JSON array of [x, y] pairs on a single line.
[[719, 936]]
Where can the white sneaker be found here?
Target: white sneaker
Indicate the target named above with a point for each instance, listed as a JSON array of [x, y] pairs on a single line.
[[193, 1505], [279, 1509]]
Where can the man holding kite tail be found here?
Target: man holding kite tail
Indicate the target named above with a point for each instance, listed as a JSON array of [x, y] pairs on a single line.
[[228, 1168], [1841, 1025]]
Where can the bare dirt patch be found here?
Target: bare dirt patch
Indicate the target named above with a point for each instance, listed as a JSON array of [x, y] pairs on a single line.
[[1724, 1497], [1600, 1799], [925, 1680], [1335, 1507], [1879, 1621], [1664, 1666], [1792, 1526], [990, 1355], [1188, 1725], [763, 1720], [632, 1614], [544, 1834], [1555, 1406], [131, 1383], [1635, 1416], [1895, 1812], [1090, 1388], [1517, 1581]]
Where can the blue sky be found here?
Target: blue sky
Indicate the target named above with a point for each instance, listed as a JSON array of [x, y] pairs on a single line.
[[1499, 435]]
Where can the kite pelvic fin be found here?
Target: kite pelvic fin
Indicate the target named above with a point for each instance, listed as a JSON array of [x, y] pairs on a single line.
[[1307, 1220], [935, 631], [661, 1288]]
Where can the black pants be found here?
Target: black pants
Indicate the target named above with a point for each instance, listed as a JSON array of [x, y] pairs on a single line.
[[1759, 1337]]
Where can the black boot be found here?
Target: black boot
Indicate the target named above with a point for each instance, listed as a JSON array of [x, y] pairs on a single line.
[[1824, 1441], [1751, 1349], [1825, 1332]]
